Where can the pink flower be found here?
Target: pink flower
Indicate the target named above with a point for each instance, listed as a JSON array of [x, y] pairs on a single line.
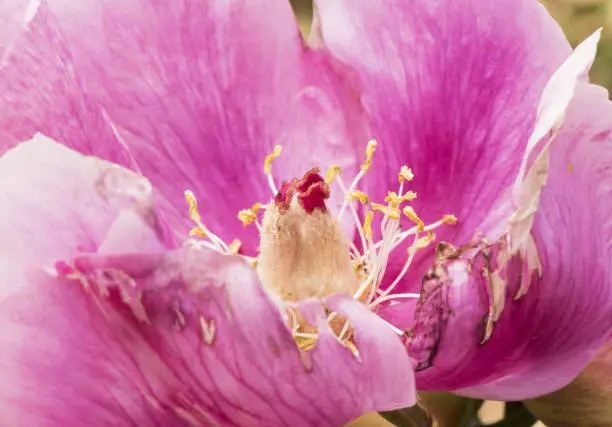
[[124, 305]]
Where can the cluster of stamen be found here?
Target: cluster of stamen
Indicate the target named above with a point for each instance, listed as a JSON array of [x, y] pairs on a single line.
[[370, 260]]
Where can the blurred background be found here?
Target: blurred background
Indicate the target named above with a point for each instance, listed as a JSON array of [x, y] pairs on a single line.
[[579, 18]]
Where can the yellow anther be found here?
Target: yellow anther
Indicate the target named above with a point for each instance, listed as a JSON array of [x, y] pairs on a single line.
[[423, 242], [390, 211], [352, 347], [405, 174], [410, 213], [359, 195], [234, 247], [367, 224], [305, 342], [249, 216], [268, 162], [193, 206], [394, 200], [197, 231], [332, 173], [370, 149], [449, 219]]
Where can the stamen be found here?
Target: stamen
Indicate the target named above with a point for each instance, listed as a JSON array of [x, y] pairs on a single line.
[[360, 196], [367, 225], [412, 215], [370, 149], [201, 230], [332, 173], [234, 247], [197, 231], [388, 211], [249, 216], [405, 174], [395, 200], [306, 340], [268, 167], [396, 296], [449, 219]]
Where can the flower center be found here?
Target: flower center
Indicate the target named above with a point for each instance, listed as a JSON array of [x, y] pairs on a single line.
[[305, 254]]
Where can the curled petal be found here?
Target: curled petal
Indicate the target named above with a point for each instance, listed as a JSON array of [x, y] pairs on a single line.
[[185, 338], [514, 349], [58, 203], [197, 93]]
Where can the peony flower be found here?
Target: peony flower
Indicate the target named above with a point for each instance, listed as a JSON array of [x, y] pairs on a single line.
[[212, 240]]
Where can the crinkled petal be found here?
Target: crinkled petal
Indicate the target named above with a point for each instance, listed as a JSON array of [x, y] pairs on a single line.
[[57, 203], [196, 92], [452, 90], [184, 338], [540, 342]]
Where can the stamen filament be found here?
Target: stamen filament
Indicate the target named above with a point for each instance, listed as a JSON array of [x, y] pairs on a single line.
[[395, 296], [268, 167], [411, 253], [354, 212]]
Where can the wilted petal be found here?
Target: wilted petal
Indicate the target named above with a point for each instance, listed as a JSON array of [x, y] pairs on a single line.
[[452, 90], [540, 342], [182, 339], [586, 401], [198, 92], [57, 202]]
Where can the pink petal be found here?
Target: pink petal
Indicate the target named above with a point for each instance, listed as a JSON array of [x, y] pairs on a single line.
[[197, 92], [586, 401], [57, 203], [130, 349], [40, 91], [543, 340], [452, 90]]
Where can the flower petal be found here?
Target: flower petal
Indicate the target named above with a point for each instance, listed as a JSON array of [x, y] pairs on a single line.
[[200, 93], [58, 203], [586, 401], [452, 90], [40, 92], [542, 341], [180, 339]]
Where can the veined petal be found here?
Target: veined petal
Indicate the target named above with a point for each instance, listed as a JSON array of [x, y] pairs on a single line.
[[540, 342], [452, 90], [197, 92], [40, 91], [182, 339], [57, 203]]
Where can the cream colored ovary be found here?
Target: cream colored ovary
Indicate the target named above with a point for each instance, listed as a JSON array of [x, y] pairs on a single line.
[[304, 255]]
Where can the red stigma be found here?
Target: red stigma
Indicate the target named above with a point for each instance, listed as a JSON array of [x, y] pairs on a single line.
[[312, 192], [284, 195]]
